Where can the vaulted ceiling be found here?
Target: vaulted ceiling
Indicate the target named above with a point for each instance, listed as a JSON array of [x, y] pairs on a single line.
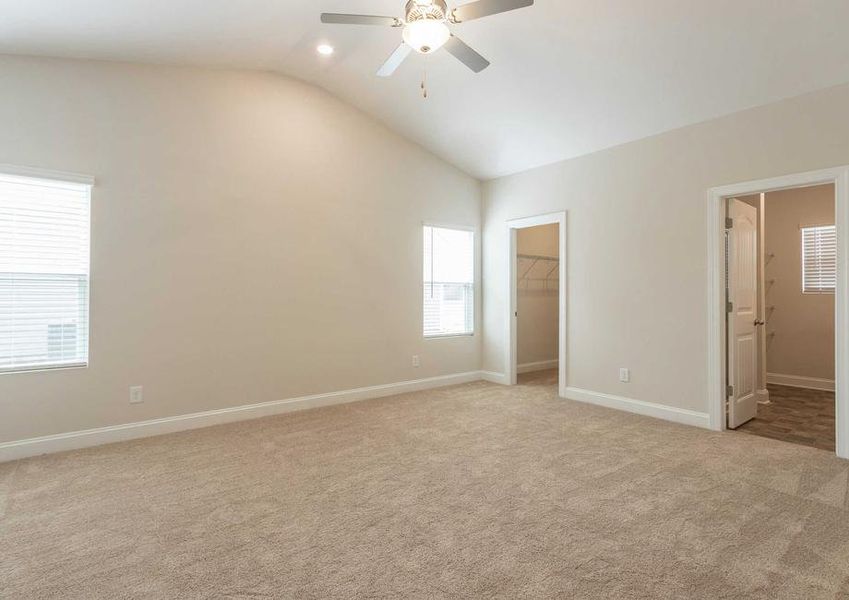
[[568, 77]]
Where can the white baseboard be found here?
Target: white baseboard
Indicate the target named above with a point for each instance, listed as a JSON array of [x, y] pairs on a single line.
[[542, 365], [130, 431], [811, 383], [492, 377], [762, 396], [640, 407]]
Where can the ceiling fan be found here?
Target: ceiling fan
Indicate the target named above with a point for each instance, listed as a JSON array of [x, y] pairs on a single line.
[[425, 28]]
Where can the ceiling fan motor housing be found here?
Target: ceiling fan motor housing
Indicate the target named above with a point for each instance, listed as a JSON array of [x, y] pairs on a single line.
[[426, 9]]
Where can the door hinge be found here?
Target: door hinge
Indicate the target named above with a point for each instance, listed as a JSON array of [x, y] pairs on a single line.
[[729, 223], [729, 307], [729, 391]]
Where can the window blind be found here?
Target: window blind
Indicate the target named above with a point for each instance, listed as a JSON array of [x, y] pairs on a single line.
[[449, 282], [44, 273], [819, 259]]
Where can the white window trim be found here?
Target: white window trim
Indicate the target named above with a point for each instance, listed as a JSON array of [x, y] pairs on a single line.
[[37, 173], [76, 179], [440, 225], [475, 275], [442, 336]]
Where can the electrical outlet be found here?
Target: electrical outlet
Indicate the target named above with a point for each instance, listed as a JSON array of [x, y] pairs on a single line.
[[136, 394], [625, 375], [416, 362]]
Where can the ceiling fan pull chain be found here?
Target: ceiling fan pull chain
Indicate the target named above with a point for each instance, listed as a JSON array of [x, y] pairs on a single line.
[[424, 84]]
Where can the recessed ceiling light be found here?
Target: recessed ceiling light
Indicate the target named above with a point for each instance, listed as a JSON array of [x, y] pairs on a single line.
[[325, 49]]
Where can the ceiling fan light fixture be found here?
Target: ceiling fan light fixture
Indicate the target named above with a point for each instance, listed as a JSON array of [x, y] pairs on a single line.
[[426, 35], [425, 28]]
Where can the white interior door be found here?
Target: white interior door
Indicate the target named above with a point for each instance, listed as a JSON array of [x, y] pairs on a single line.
[[743, 312]]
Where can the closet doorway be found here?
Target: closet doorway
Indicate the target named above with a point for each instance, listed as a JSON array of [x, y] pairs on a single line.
[[537, 318]]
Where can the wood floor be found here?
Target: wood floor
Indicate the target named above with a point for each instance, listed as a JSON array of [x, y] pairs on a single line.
[[796, 415]]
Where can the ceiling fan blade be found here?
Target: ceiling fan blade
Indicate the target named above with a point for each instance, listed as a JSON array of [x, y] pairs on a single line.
[[394, 61], [340, 19], [485, 8], [466, 55]]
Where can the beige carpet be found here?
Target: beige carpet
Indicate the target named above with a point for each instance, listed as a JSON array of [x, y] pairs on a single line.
[[472, 491]]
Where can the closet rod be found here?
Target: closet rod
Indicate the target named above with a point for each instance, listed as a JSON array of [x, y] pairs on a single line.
[[538, 257]]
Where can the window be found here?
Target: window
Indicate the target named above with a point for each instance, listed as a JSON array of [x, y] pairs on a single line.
[[449, 282], [44, 273], [819, 259]]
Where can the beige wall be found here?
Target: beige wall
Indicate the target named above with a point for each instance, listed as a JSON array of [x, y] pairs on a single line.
[[536, 331], [248, 230], [800, 329], [637, 246]]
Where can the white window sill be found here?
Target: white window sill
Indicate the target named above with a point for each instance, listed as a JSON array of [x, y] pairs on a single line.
[[448, 335], [42, 368]]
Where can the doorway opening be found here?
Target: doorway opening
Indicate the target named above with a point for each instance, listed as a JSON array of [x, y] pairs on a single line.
[[537, 317], [781, 259], [778, 282], [537, 310]]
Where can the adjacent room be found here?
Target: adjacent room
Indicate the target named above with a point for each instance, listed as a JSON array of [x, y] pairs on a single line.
[[424, 299], [795, 279]]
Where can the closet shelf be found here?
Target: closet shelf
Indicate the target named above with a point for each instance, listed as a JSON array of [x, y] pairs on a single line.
[[546, 273]]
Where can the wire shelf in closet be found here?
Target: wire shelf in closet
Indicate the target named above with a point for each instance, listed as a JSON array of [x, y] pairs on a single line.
[[538, 272]]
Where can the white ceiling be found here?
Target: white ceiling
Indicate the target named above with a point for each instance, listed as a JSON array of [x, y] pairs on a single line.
[[568, 77]]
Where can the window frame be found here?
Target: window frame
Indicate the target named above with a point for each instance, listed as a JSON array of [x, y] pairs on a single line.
[[819, 291], [474, 231], [68, 178]]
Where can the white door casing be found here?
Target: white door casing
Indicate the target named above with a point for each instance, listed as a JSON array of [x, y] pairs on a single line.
[[743, 320]]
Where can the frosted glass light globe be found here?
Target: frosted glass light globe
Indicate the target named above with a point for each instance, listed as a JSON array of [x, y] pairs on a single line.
[[426, 35]]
